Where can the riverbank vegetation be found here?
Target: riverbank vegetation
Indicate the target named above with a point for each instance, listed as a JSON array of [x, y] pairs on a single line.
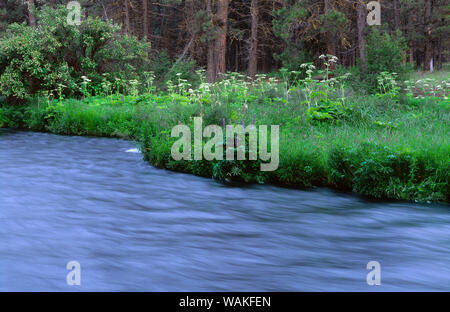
[[373, 129], [388, 145]]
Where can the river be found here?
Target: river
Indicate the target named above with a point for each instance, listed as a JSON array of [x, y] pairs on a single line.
[[133, 227]]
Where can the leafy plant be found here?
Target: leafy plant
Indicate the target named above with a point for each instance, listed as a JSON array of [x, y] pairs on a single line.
[[36, 59]]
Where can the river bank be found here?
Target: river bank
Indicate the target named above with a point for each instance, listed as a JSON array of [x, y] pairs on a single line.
[[133, 227], [381, 149]]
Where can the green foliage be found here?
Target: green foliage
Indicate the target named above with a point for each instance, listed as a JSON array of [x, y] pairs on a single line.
[[326, 98], [293, 54], [384, 53], [334, 22], [292, 59], [166, 69], [184, 70], [160, 64], [328, 110], [285, 16], [378, 171], [11, 11], [301, 165], [384, 145], [11, 117], [54, 56]]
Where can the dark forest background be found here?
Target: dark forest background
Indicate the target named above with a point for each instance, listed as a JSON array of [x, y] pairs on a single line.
[[262, 35]]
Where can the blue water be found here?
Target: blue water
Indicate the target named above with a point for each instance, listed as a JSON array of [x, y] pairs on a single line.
[[136, 228]]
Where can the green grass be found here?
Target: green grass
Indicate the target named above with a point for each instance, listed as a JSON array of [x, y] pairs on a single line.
[[437, 75], [383, 146], [436, 83]]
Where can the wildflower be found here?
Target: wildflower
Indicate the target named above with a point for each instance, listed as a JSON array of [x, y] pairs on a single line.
[[85, 79]]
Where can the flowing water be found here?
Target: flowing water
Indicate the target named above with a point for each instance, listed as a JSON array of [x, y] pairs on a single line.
[[132, 227]]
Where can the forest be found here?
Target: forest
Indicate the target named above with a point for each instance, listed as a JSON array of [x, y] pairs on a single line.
[[362, 108], [261, 35]]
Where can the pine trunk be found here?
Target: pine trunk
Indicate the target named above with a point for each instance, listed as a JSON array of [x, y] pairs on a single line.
[[211, 64], [221, 41], [145, 18], [253, 55], [31, 16], [396, 15], [361, 23], [428, 32], [126, 17], [330, 36]]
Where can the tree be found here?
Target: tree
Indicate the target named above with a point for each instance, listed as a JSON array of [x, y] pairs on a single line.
[[262, 34], [31, 17], [126, 17], [221, 39], [145, 18], [361, 36], [211, 64], [57, 55], [253, 53], [330, 36], [428, 33]]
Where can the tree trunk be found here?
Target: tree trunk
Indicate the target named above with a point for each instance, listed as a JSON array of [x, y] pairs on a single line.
[[211, 64], [236, 58], [253, 55], [221, 41], [411, 44], [428, 31], [150, 20], [396, 15], [411, 55], [126, 17], [330, 37], [31, 16], [145, 18], [361, 23], [439, 64]]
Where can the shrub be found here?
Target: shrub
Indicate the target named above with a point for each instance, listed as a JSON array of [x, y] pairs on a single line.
[[380, 172], [166, 69], [11, 117], [384, 54], [54, 56]]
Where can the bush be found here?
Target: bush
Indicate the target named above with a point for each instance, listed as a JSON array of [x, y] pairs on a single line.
[[160, 64], [11, 117], [54, 56], [380, 172], [166, 69], [384, 54]]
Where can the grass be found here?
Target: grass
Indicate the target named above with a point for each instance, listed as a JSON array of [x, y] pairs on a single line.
[[436, 83], [387, 146], [437, 75]]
